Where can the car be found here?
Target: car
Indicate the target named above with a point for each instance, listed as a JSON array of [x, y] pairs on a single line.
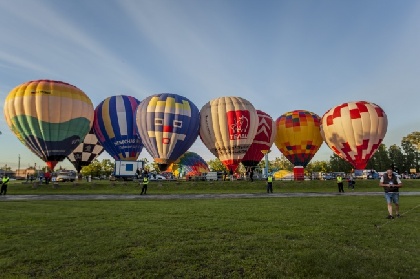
[[156, 177], [327, 177], [63, 176]]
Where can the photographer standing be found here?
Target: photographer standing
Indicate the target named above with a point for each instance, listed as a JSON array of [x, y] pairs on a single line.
[[391, 184]]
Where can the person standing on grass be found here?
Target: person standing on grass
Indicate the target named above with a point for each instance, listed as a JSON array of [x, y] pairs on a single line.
[[391, 184], [340, 184], [251, 174], [4, 182], [350, 182], [145, 182], [270, 183]]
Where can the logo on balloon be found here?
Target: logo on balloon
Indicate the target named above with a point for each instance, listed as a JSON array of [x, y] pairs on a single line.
[[238, 121]]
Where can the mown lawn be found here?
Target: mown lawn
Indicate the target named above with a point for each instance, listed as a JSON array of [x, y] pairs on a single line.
[[199, 187], [312, 237]]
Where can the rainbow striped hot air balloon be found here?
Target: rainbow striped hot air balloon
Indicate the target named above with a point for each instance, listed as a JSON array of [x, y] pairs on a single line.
[[49, 117], [298, 138], [189, 164], [115, 127]]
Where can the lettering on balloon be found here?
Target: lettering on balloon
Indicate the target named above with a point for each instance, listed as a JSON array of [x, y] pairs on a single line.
[[238, 149], [238, 123], [126, 141]]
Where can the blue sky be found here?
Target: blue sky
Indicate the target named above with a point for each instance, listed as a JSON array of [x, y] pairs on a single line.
[[279, 55]]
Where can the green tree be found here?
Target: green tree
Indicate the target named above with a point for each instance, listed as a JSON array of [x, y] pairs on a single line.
[[280, 163], [107, 167], [411, 147], [337, 164], [397, 157], [94, 169], [318, 166], [216, 165], [380, 160]]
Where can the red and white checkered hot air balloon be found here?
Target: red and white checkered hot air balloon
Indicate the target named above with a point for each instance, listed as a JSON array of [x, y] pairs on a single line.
[[354, 131], [263, 140]]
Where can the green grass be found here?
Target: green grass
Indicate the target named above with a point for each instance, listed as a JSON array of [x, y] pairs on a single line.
[[317, 237], [199, 187]]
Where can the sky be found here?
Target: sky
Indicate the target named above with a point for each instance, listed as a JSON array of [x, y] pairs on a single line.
[[279, 55]]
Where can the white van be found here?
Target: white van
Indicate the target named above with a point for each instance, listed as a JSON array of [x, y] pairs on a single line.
[[212, 176]]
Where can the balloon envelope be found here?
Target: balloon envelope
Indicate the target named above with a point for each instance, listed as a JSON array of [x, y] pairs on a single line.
[[227, 128], [49, 117], [115, 127], [354, 131], [168, 125], [298, 136], [86, 151], [189, 164], [263, 140]]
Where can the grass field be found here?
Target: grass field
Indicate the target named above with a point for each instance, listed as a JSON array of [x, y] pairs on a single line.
[[300, 237], [199, 187]]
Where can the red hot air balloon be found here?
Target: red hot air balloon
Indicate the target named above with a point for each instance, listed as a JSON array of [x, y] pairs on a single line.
[[354, 131], [263, 140]]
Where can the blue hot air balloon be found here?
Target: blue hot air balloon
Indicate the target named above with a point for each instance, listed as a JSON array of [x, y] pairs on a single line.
[[115, 127], [168, 125]]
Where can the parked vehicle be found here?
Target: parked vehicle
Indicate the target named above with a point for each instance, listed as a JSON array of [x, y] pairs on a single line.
[[214, 176], [66, 175], [154, 176], [127, 170]]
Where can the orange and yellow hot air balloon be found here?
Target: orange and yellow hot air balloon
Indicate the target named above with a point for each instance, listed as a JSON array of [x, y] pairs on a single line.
[[298, 138]]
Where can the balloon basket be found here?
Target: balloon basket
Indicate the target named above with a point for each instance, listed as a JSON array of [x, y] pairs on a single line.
[[299, 173]]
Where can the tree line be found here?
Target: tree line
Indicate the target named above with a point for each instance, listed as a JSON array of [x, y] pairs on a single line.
[[403, 159]]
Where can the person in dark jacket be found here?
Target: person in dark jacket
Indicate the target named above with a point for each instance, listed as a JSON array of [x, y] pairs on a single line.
[[391, 184], [4, 181]]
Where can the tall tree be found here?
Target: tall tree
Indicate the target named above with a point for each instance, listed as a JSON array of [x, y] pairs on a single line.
[[107, 167], [217, 165], [280, 163], [411, 147], [337, 164], [318, 166], [380, 160], [397, 157]]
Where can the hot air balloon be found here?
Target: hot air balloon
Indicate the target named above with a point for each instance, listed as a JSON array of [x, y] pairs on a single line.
[[298, 138], [227, 128], [354, 131], [86, 151], [263, 140], [115, 127], [49, 117], [189, 164], [168, 125]]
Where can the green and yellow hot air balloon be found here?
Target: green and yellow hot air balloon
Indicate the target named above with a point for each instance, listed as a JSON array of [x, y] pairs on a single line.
[[50, 117]]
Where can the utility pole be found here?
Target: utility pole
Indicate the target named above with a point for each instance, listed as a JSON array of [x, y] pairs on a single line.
[[18, 170]]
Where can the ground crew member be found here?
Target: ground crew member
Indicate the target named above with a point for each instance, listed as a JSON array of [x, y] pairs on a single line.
[[340, 184], [145, 182], [270, 183], [4, 182]]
